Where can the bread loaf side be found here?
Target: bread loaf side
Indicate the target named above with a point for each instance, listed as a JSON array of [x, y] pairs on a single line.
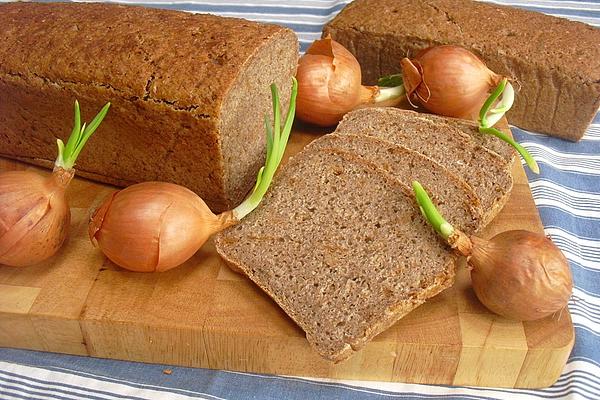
[[555, 61], [188, 92]]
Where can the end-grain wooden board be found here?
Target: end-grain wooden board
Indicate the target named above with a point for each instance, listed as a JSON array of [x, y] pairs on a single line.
[[203, 315]]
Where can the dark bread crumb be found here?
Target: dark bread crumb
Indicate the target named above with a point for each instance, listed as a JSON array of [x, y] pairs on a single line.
[[453, 197], [341, 247], [457, 146]]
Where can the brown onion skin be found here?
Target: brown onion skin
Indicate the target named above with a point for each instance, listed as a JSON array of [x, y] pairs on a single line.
[[153, 226], [520, 275], [329, 83], [34, 216], [448, 80]]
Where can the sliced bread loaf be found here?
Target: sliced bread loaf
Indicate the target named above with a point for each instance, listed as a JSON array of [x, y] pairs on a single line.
[[454, 198], [450, 144], [490, 142], [341, 247]]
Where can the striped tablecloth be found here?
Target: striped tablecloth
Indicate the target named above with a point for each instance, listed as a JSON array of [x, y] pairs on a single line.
[[567, 194]]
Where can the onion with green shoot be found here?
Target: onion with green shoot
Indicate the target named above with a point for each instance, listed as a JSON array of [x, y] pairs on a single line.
[[156, 226], [451, 81], [448, 80], [329, 85], [34, 212], [518, 274]]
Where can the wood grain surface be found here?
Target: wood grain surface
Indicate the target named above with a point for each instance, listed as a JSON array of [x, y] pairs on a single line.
[[204, 315]]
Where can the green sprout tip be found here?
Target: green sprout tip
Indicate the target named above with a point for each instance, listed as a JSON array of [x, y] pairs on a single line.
[[390, 87], [489, 102], [488, 117], [529, 160], [390, 80], [67, 154]]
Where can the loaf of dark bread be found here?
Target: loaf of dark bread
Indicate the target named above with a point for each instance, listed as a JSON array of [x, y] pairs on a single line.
[[189, 92], [555, 61], [342, 247]]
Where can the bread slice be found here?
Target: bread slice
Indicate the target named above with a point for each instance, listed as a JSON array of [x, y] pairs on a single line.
[[453, 197], [460, 150], [490, 142], [341, 247]]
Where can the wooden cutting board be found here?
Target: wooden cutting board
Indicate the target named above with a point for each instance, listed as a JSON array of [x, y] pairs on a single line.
[[203, 315]]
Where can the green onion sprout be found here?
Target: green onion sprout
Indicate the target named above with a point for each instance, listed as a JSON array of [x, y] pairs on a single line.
[[67, 155], [390, 80], [430, 212], [390, 87], [488, 117], [498, 112], [529, 160], [277, 139]]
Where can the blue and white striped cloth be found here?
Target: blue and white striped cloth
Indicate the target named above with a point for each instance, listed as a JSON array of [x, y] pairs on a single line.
[[567, 194]]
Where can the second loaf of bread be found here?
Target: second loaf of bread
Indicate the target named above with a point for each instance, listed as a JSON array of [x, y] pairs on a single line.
[[556, 61]]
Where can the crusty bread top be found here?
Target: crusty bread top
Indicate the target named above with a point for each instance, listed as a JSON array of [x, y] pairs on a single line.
[[573, 48], [341, 247], [160, 55]]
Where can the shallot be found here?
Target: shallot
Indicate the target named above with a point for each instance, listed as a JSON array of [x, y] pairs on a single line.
[[34, 213], [518, 274], [329, 84], [448, 80]]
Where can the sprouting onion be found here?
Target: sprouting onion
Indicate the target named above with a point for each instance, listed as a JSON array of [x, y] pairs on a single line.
[[518, 274], [156, 226], [329, 79], [34, 213], [448, 80], [452, 81], [67, 155], [489, 116], [277, 139]]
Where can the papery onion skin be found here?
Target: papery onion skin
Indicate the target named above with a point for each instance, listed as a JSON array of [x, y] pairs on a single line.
[[448, 80], [520, 275], [34, 216], [34, 213], [154, 226], [329, 83]]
